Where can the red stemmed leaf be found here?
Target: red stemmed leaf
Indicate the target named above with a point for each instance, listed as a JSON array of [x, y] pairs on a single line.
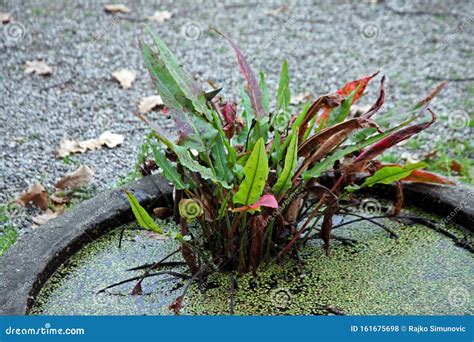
[[264, 201], [252, 85], [346, 90], [378, 148], [421, 176]]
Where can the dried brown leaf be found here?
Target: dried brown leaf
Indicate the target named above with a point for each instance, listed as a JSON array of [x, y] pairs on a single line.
[[160, 16], [38, 67], [5, 18], [116, 8], [67, 146], [37, 194], [80, 177], [125, 77], [149, 103], [45, 217], [110, 139]]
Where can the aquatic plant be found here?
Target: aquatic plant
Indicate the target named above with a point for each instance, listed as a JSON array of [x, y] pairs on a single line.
[[248, 178]]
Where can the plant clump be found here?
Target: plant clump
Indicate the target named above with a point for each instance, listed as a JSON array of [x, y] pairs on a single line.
[[249, 179]]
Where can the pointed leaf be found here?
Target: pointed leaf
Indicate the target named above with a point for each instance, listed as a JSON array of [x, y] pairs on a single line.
[[388, 175], [143, 218], [291, 159], [252, 84], [422, 176], [185, 83], [256, 174], [284, 94], [265, 201], [191, 164], [169, 171]]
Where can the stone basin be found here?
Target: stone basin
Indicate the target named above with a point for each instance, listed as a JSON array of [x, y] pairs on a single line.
[[59, 267], [423, 272]]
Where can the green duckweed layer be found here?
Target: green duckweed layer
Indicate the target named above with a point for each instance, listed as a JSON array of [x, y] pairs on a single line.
[[421, 272]]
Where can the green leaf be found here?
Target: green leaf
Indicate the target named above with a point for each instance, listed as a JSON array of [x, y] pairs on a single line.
[[187, 86], [197, 133], [232, 155], [301, 116], [191, 164], [284, 180], [165, 84], [256, 174], [220, 161], [144, 220], [284, 94], [341, 112], [169, 170], [388, 175], [265, 94]]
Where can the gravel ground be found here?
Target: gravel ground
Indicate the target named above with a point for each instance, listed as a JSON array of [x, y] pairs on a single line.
[[415, 43]]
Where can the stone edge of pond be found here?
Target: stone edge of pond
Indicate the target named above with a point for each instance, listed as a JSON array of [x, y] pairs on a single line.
[[53, 243], [26, 266]]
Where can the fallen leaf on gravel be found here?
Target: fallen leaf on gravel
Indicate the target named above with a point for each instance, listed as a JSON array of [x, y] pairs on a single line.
[[278, 10], [60, 198], [116, 8], [38, 67], [110, 139], [300, 98], [81, 177], [37, 195], [125, 77], [160, 16], [5, 17], [45, 217], [67, 146], [149, 103]]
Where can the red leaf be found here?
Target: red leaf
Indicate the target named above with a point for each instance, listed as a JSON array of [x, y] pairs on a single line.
[[421, 176], [137, 289], [378, 148], [264, 201], [252, 85], [346, 90]]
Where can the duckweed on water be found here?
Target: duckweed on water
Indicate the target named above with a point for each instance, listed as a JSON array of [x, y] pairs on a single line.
[[422, 272]]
